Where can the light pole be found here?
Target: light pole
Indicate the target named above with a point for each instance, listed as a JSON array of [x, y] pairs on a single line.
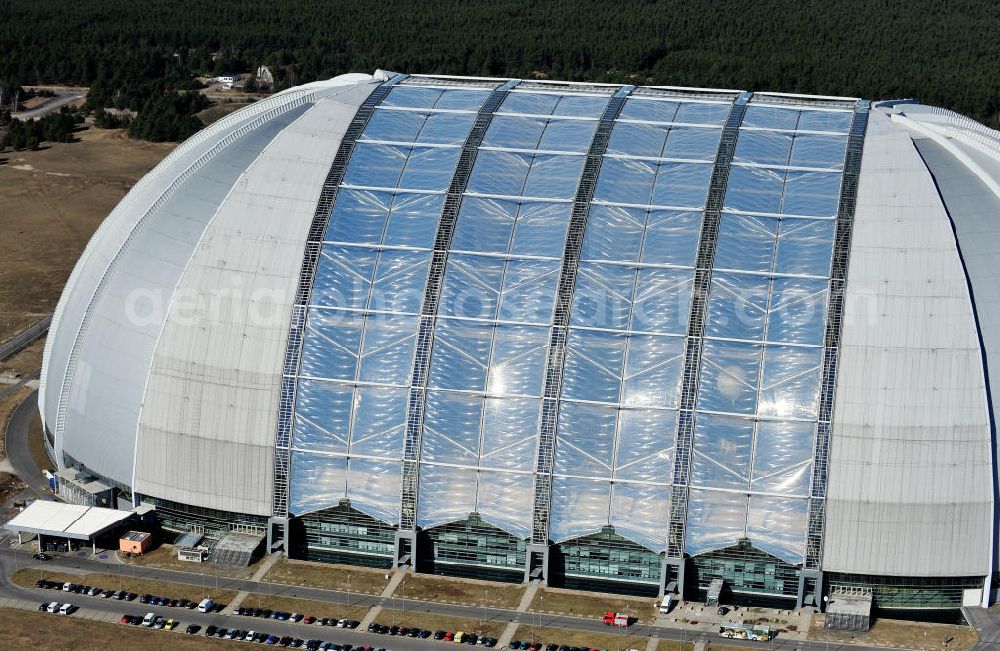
[[486, 596]]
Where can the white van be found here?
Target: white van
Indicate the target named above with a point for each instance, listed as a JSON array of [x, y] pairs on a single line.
[[53, 607], [666, 604], [149, 619], [206, 606], [67, 609]]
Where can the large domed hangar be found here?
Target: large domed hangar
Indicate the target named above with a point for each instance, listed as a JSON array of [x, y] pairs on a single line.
[[622, 338]]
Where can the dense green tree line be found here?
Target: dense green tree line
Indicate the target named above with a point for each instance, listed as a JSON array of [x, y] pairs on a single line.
[[941, 53], [29, 134]]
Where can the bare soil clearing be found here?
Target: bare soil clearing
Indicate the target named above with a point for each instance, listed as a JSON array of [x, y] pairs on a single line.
[[51, 201]]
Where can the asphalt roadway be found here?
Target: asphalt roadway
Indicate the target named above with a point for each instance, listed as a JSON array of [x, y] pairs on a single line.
[[10, 560], [62, 98], [16, 442]]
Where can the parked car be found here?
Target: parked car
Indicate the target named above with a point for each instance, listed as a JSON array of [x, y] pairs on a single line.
[[42, 556], [309, 620], [171, 624], [192, 629]]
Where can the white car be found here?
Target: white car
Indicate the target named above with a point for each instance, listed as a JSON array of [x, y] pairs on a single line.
[[249, 637], [67, 609], [53, 607], [69, 587]]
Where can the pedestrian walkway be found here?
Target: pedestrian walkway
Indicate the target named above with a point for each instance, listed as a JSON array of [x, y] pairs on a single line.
[[652, 644], [386, 593], [522, 607], [265, 567]]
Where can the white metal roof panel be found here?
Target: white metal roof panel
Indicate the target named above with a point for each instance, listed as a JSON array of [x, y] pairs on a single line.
[[910, 488], [68, 520]]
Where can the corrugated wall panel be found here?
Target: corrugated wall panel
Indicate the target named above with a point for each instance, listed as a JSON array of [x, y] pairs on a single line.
[[206, 431], [910, 471]]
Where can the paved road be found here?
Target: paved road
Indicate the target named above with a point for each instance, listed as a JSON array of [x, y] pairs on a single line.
[[986, 623], [113, 610], [8, 559], [61, 99], [16, 444], [25, 337], [20, 383]]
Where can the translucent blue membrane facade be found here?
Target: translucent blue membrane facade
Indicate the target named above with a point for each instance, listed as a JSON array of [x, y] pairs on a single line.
[[759, 388], [501, 256]]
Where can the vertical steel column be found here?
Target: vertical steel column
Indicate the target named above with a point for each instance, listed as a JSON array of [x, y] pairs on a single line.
[[812, 568], [428, 315], [555, 362], [695, 338], [303, 291]]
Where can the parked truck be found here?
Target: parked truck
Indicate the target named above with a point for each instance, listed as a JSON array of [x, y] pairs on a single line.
[[620, 620]]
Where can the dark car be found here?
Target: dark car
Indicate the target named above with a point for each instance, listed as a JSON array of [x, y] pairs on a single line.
[[296, 643], [44, 608], [352, 623], [551, 647], [192, 629], [413, 632], [285, 641], [470, 639], [489, 642], [41, 556], [723, 610], [131, 596], [423, 634], [514, 644], [210, 631]]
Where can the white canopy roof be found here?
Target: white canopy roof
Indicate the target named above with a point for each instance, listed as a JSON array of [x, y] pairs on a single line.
[[66, 520]]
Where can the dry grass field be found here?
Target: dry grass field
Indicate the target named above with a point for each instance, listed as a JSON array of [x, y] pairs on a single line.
[[220, 110], [323, 575], [587, 639], [469, 592], [28, 630], [591, 605], [901, 634], [51, 201]]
